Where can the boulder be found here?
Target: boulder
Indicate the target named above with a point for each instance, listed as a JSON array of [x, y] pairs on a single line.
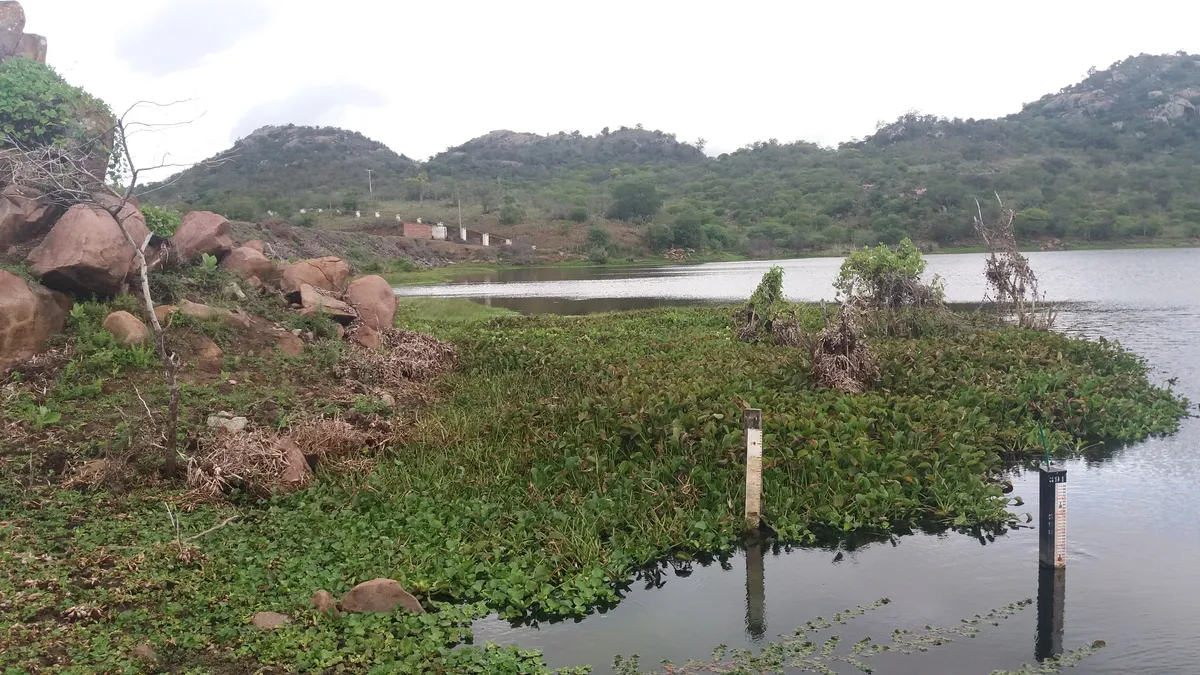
[[296, 471], [289, 345], [379, 595], [202, 232], [199, 311], [85, 252], [313, 302], [29, 314], [127, 328], [328, 273], [32, 46], [22, 218], [228, 422], [12, 26], [164, 312], [247, 262], [375, 301], [323, 602], [270, 620], [256, 245], [208, 355], [367, 336]]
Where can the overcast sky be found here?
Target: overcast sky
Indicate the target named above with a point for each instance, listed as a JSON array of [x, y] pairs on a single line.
[[423, 76]]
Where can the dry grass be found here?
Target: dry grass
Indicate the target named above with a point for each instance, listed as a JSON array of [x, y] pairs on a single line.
[[404, 357], [841, 358]]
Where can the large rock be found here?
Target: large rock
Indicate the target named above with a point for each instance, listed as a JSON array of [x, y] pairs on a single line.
[[202, 232], [127, 328], [199, 311], [375, 301], [256, 244], [328, 273], [12, 26], [33, 47], [313, 302], [208, 354], [247, 262], [85, 252], [289, 345], [379, 595], [323, 602], [22, 219], [29, 314]]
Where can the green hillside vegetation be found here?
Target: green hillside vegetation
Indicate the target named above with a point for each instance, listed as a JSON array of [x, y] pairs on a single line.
[[285, 169], [1110, 160]]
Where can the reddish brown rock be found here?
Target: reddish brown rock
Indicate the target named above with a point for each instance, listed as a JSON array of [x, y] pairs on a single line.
[[247, 262], [199, 311], [145, 653], [270, 620], [208, 355], [29, 314], [296, 472], [289, 345], [323, 602], [255, 244], [379, 595], [127, 328], [313, 302], [202, 232], [164, 312], [328, 274], [86, 253], [375, 301], [12, 26], [22, 219], [367, 336], [32, 46]]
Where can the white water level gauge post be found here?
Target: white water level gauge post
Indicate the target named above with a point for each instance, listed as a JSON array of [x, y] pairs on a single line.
[[1052, 517], [752, 423]]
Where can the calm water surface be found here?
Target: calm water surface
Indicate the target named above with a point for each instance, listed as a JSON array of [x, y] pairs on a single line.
[[1133, 576]]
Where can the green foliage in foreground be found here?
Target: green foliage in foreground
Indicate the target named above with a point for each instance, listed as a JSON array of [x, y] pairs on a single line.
[[160, 221], [567, 452]]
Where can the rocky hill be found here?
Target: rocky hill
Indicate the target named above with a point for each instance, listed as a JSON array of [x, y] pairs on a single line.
[[510, 153], [282, 167]]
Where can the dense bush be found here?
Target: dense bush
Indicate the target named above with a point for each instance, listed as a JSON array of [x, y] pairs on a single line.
[[160, 221], [39, 108], [887, 277]]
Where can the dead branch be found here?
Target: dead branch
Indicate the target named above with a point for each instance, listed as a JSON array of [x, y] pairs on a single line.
[[1012, 284]]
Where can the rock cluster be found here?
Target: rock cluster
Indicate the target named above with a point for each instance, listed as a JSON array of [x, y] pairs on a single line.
[[14, 41]]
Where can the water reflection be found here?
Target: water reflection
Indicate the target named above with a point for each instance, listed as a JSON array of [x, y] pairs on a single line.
[[756, 590], [1051, 611]]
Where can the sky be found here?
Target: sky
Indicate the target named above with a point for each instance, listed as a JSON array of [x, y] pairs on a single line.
[[424, 76]]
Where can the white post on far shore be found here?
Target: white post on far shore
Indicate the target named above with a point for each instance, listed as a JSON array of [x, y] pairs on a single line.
[[752, 423]]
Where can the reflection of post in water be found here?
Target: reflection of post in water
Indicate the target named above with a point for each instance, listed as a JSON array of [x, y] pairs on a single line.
[[1051, 609], [756, 621]]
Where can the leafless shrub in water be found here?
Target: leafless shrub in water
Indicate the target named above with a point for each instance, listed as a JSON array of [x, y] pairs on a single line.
[[841, 358], [1011, 283]]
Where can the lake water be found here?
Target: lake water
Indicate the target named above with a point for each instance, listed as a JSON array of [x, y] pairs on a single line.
[[1133, 527]]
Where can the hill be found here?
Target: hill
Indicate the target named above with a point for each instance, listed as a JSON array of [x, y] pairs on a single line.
[[1111, 158], [286, 168], [511, 154]]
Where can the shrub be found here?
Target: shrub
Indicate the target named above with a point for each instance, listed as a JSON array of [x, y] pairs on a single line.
[[38, 108], [510, 214], [579, 214], [162, 222], [633, 198], [598, 237], [307, 220], [659, 237], [886, 277], [598, 255]]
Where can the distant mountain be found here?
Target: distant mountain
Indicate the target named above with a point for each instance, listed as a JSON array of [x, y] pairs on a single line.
[[531, 155], [1115, 157], [285, 167]]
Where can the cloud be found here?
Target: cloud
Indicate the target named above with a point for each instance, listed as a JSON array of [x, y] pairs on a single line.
[[314, 105], [183, 32]]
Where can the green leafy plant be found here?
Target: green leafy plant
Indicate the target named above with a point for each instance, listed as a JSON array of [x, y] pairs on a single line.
[[39, 109], [887, 277], [42, 416], [160, 221], [208, 263], [598, 255]]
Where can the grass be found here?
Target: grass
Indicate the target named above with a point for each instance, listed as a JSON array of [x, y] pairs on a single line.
[[565, 453]]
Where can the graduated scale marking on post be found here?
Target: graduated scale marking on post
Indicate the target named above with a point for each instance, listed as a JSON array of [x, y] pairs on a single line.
[[752, 423]]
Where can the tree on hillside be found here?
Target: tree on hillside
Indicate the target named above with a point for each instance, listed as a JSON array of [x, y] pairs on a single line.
[[633, 199]]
